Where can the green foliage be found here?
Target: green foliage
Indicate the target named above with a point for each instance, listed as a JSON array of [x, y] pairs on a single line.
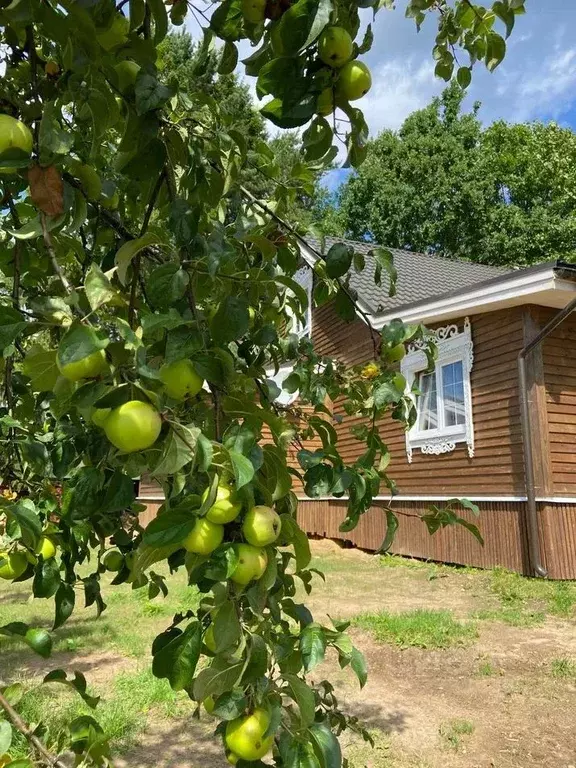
[[444, 184], [452, 731], [136, 237], [563, 669]]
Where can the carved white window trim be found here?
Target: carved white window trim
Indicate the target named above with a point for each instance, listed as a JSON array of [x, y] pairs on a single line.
[[453, 345]]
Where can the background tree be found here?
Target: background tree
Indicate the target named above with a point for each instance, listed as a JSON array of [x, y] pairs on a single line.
[[149, 293], [443, 183]]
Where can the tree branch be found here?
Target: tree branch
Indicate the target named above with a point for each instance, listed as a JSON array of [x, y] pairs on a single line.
[[28, 734], [52, 253], [138, 258], [284, 224]]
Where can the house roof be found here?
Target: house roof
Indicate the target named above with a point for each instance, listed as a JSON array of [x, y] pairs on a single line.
[[420, 276], [433, 288]]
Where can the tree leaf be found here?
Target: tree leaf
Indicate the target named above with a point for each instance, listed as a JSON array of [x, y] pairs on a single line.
[[46, 578], [339, 260], [384, 259], [11, 324], [169, 528], [326, 746], [179, 449], [127, 252], [391, 528], [150, 93], [227, 629], [99, 289], [302, 24], [176, 661], [230, 705], [24, 513], [221, 676], [40, 367], [312, 645], [303, 695], [293, 534], [77, 683], [78, 342], [46, 189], [5, 736], [231, 321], [64, 604], [358, 664]]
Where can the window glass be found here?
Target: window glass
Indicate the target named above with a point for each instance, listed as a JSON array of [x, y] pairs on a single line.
[[453, 394], [427, 402]]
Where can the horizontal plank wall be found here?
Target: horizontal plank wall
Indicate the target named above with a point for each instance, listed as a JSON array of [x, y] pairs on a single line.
[[501, 524], [497, 468], [559, 354]]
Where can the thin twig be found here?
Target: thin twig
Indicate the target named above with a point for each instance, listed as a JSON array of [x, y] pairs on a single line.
[[289, 228], [28, 734], [52, 253], [138, 258]]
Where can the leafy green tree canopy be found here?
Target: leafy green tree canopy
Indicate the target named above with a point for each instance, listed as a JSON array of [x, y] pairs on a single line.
[[443, 183], [147, 297]]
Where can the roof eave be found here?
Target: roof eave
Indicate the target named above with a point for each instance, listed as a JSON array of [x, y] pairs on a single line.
[[541, 285]]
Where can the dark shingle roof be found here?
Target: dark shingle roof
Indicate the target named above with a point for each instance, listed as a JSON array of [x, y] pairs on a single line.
[[421, 276]]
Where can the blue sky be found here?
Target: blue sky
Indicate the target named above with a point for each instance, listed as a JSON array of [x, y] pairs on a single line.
[[537, 80]]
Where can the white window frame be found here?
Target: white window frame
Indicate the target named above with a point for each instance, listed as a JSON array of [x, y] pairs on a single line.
[[453, 346], [304, 277]]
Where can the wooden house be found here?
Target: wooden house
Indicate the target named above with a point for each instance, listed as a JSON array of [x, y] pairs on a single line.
[[468, 441]]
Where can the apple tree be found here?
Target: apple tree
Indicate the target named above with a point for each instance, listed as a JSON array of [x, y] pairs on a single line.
[[146, 299]]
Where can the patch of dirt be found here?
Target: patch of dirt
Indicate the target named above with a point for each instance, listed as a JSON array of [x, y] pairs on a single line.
[[184, 743]]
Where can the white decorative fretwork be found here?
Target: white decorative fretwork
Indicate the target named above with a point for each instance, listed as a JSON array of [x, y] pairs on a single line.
[[453, 345]]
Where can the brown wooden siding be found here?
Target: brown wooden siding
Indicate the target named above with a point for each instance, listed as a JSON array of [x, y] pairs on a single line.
[[559, 355], [501, 524], [497, 468]]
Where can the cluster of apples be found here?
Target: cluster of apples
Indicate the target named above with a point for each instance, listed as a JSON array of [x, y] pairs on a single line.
[[352, 78], [14, 564], [134, 425], [245, 736], [260, 527]]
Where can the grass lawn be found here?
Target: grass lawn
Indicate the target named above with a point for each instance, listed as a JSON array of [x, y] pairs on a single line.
[[447, 648]]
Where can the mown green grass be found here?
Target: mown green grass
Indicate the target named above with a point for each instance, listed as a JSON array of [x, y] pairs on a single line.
[[420, 628]]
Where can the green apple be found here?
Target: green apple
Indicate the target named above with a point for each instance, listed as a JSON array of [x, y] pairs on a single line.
[[110, 202], [116, 34], [89, 367], [252, 562], [204, 537], [133, 426], [12, 565], [126, 72], [354, 81], [180, 380], [46, 548], [209, 640], [88, 178], [396, 353], [209, 704], [399, 382], [113, 560], [99, 416], [261, 526], [253, 10], [245, 735], [226, 507], [232, 758], [325, 104], [16, 142], [335, 47]]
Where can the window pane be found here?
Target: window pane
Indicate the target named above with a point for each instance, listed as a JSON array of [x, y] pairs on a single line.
[[453, 394], [427, 402]]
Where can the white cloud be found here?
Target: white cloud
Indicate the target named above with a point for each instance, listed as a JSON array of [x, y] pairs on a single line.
[[400, 86]]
